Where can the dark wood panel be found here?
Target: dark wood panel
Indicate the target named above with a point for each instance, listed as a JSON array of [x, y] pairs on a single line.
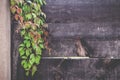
[[93, 69], [82, 11], [88, 30], [95, 48], [73, 2]]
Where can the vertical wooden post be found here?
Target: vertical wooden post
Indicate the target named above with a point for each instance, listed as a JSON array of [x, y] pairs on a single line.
[[5, 69]]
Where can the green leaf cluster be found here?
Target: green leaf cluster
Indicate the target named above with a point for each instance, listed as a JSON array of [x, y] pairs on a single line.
[[30, 49]]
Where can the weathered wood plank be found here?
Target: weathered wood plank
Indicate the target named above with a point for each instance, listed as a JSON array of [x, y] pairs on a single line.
[[89, 69], [62, 11], [95, 48], [73, 2], [89, 30]]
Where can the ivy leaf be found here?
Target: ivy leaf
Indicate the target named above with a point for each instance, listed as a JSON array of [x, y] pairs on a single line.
[[33, 45], [40, 41], [40, 32], [28, 1], [25, 41], [27, 24], [24, 64], [29, 66], [12, 2], [32, 56], [21, 51], [42, 46], [41, 2], [32, 59], [27, 37], [38, 50], [27, 73], [24, 57], [37, 60], [41, 22], [28, 44], [22, 32], [22, 45], [26, 8], [27, 52], [34, 15], [44, 2], [37, 21], [28, 16], [13, 10], [43, 14], [34, 69]]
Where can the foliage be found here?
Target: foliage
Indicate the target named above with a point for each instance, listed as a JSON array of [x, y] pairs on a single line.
[[31, 18]]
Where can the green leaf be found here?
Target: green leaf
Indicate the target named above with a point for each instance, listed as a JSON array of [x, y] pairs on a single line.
[[29, 66], [12, 2], [34, 15], [37, 21], [25, 41], [21, 51], [34, 69], [37, 7], [27, 52], [22, 32], [28, 44], [33, 45], [37, 60], [40, 40], [23, 62], [22, 45], [27, 73], [26, 8], [27, 37], [25, 66], [28, 1], [41, 22], [43, 19], [42, 46], [43, 14], [24, 57], [28, 16], [44, 2], [32, 56], [41, 2], [32, 59], [40, 32], [38, 50]]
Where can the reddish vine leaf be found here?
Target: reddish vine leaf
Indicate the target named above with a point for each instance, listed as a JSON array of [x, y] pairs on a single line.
[[46, 33], [16, 17], [19, 10], [21, 19], [13, 10]]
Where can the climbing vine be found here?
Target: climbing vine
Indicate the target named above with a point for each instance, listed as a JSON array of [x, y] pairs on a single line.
[[31, 18]]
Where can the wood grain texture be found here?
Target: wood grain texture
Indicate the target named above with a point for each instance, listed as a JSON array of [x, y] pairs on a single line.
[[64, 11], [91, 69], [95, 48], [88, 30]]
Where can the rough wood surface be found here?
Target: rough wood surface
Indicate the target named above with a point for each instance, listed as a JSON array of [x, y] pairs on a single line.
[[89, 69], [96, 23], [69, 11], [16, 39]]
